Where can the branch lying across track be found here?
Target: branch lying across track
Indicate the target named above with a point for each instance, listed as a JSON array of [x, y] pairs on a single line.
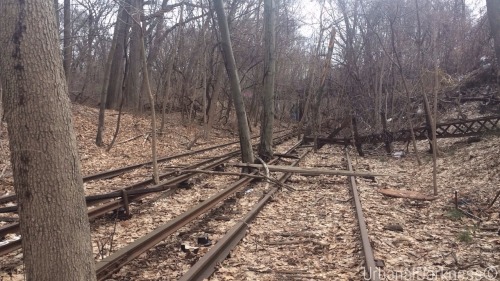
[[119, 171], [115, 261], [100, 210], [206, 265], [372, 271], [115, 204], [310, 171], [265, 177]]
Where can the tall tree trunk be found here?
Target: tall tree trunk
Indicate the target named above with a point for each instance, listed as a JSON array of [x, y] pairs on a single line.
[[132, 83], [114, 91], [105, 84], [319, 95], [266, 128], [232, 72], [493, 7], [166, 93], [46, 167], [67, 48], [147, 87]]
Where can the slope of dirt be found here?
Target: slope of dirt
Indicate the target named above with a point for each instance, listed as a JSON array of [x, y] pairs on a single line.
[[436, 239]]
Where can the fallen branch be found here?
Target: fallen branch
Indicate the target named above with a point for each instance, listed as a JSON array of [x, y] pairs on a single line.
[[492, 202], [259, 176], [131, 139], [286, 156], [308, 171]]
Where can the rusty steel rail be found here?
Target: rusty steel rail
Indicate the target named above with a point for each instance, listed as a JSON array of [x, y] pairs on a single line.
[[93, 200], [136, 188], [206, 264], [169, 186], [122, 170], [118, 171], [117, 260], [372, 272]]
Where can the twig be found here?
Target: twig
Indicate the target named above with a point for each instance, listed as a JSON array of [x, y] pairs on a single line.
[[266, 168], [5, 168], [469, 214], [131, 139], [489, 207], [146, 137]]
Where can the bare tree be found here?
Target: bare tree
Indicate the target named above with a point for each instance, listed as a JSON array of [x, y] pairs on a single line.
[[232, 72], [46, 167], [493, 7], [266, 128]]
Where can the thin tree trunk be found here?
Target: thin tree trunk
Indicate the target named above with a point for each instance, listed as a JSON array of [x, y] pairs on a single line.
[[493, 7], [266, 128], [116, 74], [132, 83], [319, 95], [105, 85], [227, 52], [67, 48], [166, 93], [44, 155], [117, 129], [145, 78], [219, 76]]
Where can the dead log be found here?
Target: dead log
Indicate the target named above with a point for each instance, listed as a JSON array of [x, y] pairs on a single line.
[[309, 171]]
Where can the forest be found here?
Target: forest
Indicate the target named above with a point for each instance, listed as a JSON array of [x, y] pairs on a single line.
[[249, 139]]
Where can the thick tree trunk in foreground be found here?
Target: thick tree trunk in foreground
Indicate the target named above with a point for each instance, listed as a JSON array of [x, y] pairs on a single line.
[[232, 72], [47, 180], [266, 129]]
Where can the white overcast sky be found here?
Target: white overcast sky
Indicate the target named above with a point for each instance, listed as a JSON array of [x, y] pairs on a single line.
[[310, 10]]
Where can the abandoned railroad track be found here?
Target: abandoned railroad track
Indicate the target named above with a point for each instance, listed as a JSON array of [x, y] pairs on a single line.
[[231, 221], [99, 205]]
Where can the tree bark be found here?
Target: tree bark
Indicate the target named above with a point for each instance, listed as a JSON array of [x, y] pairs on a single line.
[[319, 95], [105, 84], [132, 83], [147, 87], [493, 7], [266, 128], [46, 167], [67, 48], [116, 73], [232, 72]]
